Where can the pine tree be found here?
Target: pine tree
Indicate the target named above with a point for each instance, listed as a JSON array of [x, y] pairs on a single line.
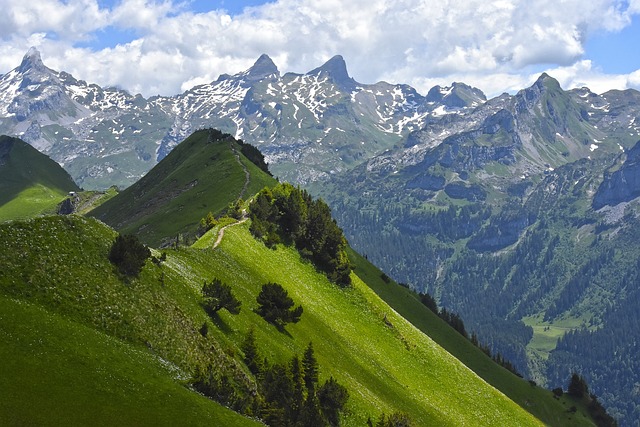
[[128, 254], [297, 380], [275, 305], [578, 386], [310, 365], [252, 357], [332, 397], [218, 295]]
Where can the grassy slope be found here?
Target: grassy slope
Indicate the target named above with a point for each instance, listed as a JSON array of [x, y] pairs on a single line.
[[59, 263], [56, 371], [536, 400], [197, 177], [30, 182], [386, 368]]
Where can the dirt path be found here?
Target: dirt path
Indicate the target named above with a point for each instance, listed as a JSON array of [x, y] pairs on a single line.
[[247, 175], [221, 231], [247, 179]]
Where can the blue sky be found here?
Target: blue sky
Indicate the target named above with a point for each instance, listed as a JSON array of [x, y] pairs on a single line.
[[167, 46], [616, 52]]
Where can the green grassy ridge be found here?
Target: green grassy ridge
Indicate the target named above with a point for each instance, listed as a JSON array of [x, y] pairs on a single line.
[[197, 177], [30, 182], [59, 372], [534, 399], [386, 368], [31, 202]]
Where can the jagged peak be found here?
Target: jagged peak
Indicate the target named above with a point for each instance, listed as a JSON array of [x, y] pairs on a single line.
[[546, 81], [336, 69], [543, 84], [31, 60], [262, 68], [457, 95]]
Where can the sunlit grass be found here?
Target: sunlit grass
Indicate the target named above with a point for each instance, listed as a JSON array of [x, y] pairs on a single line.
[[33, 201]]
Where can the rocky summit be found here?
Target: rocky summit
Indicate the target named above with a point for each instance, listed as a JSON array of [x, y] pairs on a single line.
[[309, 126]]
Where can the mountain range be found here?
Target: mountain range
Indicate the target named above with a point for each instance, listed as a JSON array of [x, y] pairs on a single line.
[[518, 212], [522, 216], [308, 126]]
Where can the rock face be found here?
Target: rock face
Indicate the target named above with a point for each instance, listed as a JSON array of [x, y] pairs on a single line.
[[66, 207], [458, 95], [309, 126], [622, 185]]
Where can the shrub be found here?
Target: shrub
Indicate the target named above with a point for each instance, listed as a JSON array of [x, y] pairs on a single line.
[[128, 254]]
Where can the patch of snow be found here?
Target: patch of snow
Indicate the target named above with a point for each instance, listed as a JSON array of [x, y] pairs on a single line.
[[440, 111], [446, 91]]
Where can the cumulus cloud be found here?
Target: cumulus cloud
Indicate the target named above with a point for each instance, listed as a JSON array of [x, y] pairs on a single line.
[[495, 45]]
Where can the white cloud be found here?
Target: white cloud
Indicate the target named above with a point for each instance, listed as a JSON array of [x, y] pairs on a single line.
[[495, 45]]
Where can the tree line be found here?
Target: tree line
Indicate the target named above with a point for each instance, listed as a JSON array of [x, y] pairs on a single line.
[[287, 394], [287, 214]]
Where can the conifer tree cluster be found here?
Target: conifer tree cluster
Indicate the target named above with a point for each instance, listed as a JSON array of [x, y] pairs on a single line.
[[290, 393], [579, 389], [290, 215]]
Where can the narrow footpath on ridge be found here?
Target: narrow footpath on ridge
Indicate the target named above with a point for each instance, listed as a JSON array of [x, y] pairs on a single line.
[[247, 176], [245, 216], [221, 231]]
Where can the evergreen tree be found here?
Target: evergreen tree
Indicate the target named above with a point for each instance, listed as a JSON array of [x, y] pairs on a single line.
[[310, 365], [207, 223], [577, 386], [278, 395], [396, 419], [311, 415], [332, 397], [276, 306], [218, 295], [429, 302], [252, 357], [297, 380]]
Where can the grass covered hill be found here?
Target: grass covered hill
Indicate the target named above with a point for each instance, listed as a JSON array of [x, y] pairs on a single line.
[[131, 348], [30, 182], [205, 173]]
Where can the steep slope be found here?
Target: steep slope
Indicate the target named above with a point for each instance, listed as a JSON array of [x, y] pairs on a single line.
[[516, 222], [205, 173], [60, 372], [30, 182], [539, 401], [385, 363]]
